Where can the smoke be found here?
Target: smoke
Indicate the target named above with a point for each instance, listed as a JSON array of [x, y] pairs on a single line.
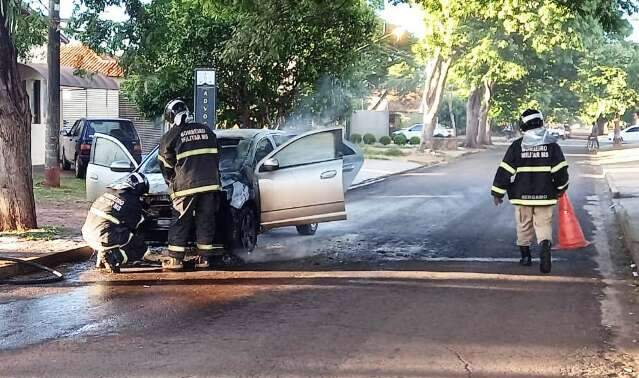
[[328, 104]]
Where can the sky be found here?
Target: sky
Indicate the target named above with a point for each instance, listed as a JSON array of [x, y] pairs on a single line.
[[402, 15]]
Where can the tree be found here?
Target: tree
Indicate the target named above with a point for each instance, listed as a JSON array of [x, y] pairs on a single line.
[[455, 27], [271, 56], [17, 205]]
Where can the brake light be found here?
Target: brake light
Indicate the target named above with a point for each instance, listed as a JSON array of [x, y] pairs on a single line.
[[85, 149], [137, 149]]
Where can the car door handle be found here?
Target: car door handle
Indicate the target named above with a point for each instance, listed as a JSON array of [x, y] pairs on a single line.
[[328, 175], [348, 168], [93, 177]]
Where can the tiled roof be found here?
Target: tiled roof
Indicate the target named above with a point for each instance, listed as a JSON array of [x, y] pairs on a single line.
[[79, 56]]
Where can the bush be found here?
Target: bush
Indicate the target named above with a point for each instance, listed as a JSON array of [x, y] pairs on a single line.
[[414, 141], [369, 139], [385, 140], [356, 138], [393, 151], [400, 139]]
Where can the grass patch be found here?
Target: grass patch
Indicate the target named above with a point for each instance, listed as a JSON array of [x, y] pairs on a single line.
[[71, 189], [393, 151], [44, 233]]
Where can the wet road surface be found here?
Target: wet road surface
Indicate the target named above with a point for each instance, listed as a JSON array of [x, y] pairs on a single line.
[[421, 281]]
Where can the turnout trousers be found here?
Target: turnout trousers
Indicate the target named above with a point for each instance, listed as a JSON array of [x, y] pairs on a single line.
[[533, 221], [195, 213]]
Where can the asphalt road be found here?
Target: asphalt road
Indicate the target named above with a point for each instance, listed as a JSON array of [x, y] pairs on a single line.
[[421, 281]]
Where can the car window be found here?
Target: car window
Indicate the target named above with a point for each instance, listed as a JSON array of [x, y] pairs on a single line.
[[310, 149], [120, 130], [75, 130], [106, 152], [632, 130], [233, 153], [280, 139], [416, 128], [262, 149]]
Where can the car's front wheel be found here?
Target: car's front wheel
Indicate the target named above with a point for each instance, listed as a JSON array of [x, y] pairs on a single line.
[[307, 229], [247, 230], [65, 164]]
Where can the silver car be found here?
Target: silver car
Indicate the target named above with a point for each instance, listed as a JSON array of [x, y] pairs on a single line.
[[270, 179]]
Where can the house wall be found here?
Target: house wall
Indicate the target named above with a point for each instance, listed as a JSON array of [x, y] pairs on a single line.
[[368, 121], [78, 103]]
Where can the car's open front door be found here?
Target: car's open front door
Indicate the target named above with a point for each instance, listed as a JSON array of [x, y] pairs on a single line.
[[301, 182], [109, 162]]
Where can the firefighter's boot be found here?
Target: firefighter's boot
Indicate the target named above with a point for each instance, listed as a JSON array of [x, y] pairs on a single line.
[[114, 259], [175, 261], [545, 257], [154, 256], [526, 258]]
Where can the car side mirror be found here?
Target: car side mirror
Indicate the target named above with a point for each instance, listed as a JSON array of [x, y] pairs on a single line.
[[270, 165], [64, 132], [122, 166]]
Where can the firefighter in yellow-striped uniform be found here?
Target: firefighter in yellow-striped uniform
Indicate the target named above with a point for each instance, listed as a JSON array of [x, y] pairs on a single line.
[[190, 165], [534, 174]]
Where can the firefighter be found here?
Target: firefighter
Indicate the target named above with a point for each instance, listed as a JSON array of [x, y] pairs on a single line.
[[189, 162], [112, 223], [540, 174]]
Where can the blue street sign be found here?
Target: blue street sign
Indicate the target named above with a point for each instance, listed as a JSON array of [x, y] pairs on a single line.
[[205, 96]]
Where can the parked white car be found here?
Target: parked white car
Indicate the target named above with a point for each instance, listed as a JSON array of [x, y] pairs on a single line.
[[417, 129], [628, 135]]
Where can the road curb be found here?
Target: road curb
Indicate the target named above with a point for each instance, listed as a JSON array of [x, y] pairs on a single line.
[[630, 235], [614, 190], [375, 180], [50, 259]]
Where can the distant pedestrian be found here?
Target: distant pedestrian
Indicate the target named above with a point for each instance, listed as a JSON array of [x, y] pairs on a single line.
[[594, 134], [509, 132], [540, 177]]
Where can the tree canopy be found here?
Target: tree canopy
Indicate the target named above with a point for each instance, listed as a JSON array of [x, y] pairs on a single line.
[[272, 57]]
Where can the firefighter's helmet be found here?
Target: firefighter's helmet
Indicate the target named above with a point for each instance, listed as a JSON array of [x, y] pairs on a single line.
[[176, 112], [531, 119]]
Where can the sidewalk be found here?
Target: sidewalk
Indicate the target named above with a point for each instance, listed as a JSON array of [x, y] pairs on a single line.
[[374, 170], [621, 169]]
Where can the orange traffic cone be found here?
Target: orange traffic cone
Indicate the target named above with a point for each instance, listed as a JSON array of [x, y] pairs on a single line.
[[570, 234]]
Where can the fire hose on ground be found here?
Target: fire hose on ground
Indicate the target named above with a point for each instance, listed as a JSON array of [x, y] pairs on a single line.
[[56, 276]]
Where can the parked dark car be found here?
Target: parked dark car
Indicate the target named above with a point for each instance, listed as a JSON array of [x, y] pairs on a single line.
[[270, 179], [75, 142]]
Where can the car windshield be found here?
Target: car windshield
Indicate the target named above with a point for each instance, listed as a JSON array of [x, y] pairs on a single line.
[[119, 129], [233, 153]]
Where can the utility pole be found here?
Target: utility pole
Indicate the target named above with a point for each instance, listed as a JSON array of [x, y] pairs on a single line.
[[52, 149]]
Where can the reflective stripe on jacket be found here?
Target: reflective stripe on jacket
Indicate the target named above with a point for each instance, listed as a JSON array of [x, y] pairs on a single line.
[[531, 177], [189, 160]]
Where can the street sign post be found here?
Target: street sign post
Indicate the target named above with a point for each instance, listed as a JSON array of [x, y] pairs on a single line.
[[205, 96]]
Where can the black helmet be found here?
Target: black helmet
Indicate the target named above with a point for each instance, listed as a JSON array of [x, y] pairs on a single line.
[[136, 182], [176, 112], [531, 119]]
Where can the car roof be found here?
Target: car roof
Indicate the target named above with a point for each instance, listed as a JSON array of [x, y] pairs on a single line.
[[104, 119], [245, 133]]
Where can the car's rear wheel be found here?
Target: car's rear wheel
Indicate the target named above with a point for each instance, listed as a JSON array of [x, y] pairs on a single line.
[[247, 232], [80, 169], [307, 229]]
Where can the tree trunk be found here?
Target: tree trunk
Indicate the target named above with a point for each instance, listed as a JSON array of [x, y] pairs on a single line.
[[472, 117], [484, 128], [436, 74], [17, 206]]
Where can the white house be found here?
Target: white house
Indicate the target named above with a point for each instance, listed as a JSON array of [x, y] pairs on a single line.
[[89, 87]]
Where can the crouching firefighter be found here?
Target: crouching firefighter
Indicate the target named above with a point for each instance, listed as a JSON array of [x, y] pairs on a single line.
[[540, 174], [112, 224], [189, 161]]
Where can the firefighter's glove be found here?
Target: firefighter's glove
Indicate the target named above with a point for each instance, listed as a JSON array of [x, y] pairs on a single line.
[[497, 200]]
